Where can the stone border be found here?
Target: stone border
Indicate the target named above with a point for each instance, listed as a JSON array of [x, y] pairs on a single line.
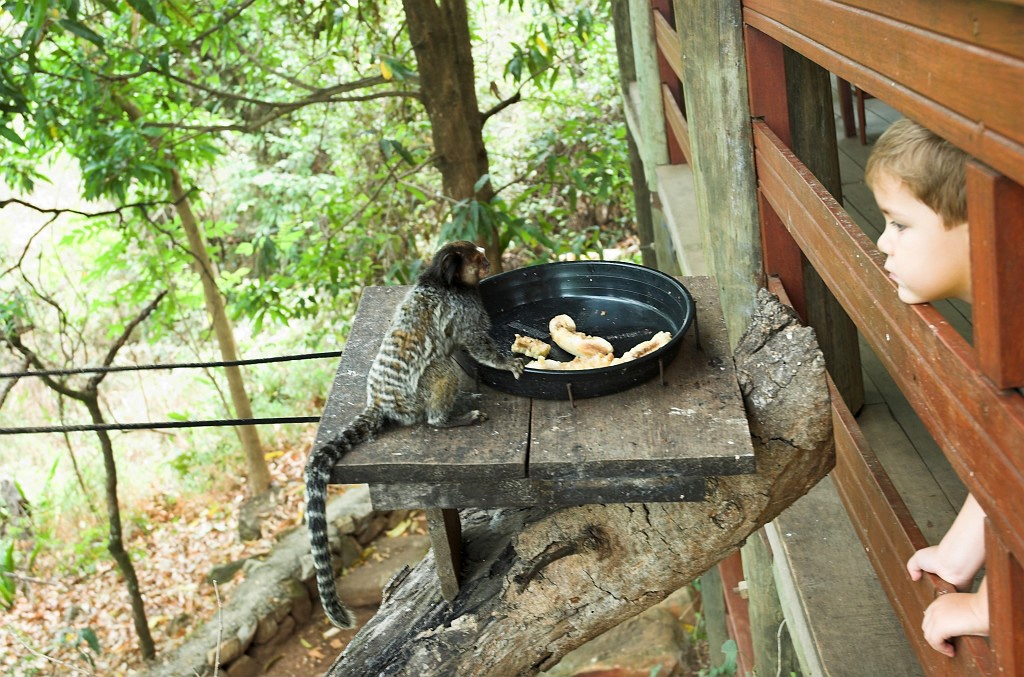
[[278, 594]]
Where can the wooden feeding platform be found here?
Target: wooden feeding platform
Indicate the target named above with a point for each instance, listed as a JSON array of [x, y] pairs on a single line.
[[655, 442]]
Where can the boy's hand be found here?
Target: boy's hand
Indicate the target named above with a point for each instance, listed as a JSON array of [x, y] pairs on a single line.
[[932, 560], [953, 615]]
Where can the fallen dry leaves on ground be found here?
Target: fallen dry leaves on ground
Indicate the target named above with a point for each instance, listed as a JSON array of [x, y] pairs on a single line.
[[48, 629]]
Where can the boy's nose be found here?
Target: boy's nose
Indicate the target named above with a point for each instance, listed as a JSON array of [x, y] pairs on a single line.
[[883, 242]]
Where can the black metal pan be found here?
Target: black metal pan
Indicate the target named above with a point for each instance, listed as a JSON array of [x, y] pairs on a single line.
[[622, 302]]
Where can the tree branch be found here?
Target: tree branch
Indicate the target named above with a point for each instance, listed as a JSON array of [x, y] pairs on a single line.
[[119, 343], [500, 106]]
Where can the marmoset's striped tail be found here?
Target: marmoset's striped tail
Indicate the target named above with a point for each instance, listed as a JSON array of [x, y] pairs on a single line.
[[318, 472]]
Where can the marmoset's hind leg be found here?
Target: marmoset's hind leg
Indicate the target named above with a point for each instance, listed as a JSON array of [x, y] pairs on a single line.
[[440, 388]]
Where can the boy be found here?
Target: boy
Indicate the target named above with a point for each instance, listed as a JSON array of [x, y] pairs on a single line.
[[919, 183]]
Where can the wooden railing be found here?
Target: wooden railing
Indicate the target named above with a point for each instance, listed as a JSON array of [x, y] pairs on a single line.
[[956, 66]]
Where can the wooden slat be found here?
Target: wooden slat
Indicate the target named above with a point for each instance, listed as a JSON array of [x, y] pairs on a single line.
[[996, 217], [767, 80], [890, 536], [993, 25], [737, 611], [1006, 605], [955, 102], [676, 122], [938, 67], [978, 426], [668, 43]]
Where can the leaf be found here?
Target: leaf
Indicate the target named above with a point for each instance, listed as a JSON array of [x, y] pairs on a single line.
[[145, 9], [11, 136], [82, 31], [385, 70], [89, 635], [481, 182]]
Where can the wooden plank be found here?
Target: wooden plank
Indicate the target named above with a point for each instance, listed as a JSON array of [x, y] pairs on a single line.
[[769, 636], [445, 531], [496, 448], [668, 43], [1006, 605], [524, 493], [890, 536], [651, 134], [767, 82], [978, 426], [997, 26], [711, 36], [737, 611], [676, 122], [938, 67], [694, 425], [974, 131], [995, 207]]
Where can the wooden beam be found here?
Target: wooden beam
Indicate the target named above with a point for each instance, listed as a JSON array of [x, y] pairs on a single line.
[[668, 43], [995, 207], [676, 123], [978, 426], [965, 116], [1005, 605], [997, 26], [715, 93], [737, 613]]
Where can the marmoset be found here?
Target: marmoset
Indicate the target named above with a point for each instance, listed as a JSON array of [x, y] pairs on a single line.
[[413, 378]]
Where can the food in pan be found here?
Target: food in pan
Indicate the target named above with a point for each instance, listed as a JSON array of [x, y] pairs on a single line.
[[531, 347], [648, 346], [564, 334], [590, 352]]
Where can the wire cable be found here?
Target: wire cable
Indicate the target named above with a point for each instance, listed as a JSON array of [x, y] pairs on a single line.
[[179, 365], [95, 427]]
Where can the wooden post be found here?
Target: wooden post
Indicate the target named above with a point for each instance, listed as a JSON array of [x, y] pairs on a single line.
[[717, 108], [1005, 604], [812, 129], [995, 206], [446, 542], [641, 191], [653, 143], [772, 647]]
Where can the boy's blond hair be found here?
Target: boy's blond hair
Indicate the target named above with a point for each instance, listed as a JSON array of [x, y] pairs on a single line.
[[933, 169]]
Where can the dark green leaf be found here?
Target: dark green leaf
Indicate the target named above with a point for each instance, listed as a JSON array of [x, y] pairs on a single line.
[[82, 31], [11, 136], [145, 9]]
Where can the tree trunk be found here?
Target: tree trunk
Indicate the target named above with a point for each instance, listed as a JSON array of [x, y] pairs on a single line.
[[89, 396], [440, 38], [539, 582], [115, 546], [259, 473]]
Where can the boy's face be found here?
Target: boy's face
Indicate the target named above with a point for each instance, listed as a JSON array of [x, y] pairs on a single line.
[[927, 261]]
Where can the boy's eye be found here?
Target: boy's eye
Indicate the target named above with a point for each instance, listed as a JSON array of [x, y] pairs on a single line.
[[897, 226]]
